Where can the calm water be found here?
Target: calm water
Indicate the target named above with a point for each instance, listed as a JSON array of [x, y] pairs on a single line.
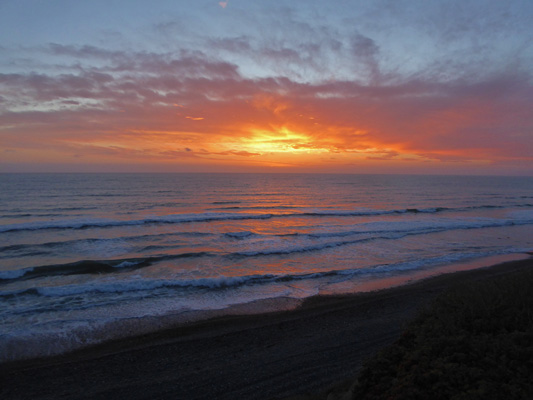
[[89, 257]]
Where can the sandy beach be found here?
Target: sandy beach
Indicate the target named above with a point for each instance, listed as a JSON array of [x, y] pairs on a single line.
[[268, 356]]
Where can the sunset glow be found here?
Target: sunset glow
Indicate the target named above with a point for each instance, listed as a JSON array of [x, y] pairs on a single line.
[[282, 141], [242, 87]]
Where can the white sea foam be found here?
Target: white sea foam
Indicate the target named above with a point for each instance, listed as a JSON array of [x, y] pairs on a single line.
[[147, 285], [14, 274], [125, 264], [205, 217], [78, 283], [103, 223], [424, 226], [64, 336], [213, 216], [377, 231], [56, 337], [262, 245]]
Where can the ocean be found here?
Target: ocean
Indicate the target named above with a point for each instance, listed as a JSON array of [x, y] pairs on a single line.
[[86, 258]]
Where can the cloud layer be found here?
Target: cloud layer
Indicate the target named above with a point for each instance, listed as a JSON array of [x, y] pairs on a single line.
[[305, 98]]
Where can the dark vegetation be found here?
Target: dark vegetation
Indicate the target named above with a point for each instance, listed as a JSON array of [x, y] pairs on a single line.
[[474, 342]]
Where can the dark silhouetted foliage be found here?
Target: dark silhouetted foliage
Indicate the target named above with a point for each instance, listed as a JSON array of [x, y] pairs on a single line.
[[474, 342]]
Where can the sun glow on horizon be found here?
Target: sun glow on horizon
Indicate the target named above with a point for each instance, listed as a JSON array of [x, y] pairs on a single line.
[[280, 141]]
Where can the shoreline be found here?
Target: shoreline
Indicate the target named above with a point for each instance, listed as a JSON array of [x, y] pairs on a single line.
[[260, 356], [65, 341]]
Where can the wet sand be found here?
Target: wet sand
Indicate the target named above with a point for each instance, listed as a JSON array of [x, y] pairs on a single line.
[[266, 356]]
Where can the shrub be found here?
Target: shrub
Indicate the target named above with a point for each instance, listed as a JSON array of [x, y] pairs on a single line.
[[474, 342]]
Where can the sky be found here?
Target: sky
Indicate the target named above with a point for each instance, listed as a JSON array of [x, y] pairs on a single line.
[[340, 86]]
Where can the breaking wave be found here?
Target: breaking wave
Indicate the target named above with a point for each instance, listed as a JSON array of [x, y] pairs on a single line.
[[213, 216]]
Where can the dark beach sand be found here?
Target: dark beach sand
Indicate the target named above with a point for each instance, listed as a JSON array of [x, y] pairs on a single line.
[[267, 356]]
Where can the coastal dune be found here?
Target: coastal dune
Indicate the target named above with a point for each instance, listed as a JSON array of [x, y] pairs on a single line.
[[266, 356]]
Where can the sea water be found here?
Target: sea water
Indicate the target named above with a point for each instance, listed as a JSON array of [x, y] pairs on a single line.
[[91, 257]]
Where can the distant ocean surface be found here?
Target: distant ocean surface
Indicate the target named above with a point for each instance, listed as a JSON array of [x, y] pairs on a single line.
[[92, 257]]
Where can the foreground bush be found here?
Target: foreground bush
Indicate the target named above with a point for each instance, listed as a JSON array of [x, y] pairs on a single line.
[[474, 342]]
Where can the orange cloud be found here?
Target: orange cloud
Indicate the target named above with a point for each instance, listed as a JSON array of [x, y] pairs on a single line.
[[236, 122]]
